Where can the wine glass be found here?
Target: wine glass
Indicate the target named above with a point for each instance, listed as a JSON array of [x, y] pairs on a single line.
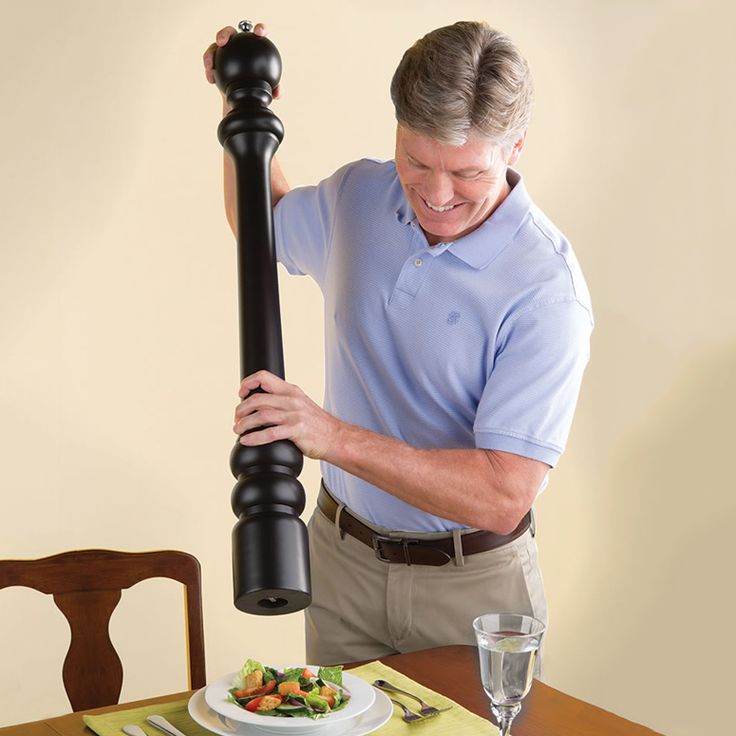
[[507, 647]]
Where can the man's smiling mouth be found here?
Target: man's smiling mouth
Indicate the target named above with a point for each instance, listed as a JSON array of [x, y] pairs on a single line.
[[444, 208]]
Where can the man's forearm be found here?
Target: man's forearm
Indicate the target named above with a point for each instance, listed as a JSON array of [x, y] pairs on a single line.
[[487, 489], [480, 488]]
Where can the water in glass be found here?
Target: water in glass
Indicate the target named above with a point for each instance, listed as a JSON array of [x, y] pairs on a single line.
[[507, 667]]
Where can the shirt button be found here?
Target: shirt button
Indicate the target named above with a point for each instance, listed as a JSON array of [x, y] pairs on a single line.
[[418, 262]]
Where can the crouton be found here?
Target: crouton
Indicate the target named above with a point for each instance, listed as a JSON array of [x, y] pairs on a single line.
[[269, 702], [289, 687], [253, 680]]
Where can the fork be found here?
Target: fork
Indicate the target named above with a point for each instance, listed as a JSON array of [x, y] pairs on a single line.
[[425, 710], [408, 716]]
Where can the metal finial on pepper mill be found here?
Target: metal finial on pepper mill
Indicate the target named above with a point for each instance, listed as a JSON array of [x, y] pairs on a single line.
[[270, 544]]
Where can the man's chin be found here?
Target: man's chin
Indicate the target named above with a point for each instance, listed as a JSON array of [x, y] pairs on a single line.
[[434, 238], [439, 233]]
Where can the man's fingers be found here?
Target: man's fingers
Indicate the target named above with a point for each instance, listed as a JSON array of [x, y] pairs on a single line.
[[266, 417], [221, 38], [259, 401], [209, 55], [223, 35], [262, 379], [264, 436], [209, 62]]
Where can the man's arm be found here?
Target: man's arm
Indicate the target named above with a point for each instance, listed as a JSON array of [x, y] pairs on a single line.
[[487, 489]]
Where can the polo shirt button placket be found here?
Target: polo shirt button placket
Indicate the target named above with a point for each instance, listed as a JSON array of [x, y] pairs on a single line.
[[410, 279]]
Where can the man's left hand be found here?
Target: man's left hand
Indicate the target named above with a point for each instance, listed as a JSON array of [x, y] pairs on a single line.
[[282, 411]]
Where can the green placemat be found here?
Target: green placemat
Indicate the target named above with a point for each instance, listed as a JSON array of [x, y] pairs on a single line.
[[453, 720], [111, 724]]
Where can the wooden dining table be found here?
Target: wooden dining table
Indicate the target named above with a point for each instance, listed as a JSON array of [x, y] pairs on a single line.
[[452, 671]]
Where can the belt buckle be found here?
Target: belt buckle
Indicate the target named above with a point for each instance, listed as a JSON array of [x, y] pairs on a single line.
[[405, 543]]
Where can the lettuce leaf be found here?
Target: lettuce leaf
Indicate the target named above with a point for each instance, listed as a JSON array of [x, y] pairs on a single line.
[[249, 667], [331, 674], [318, 703]]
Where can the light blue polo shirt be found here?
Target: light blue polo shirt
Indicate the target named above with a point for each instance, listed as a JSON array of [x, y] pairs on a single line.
[[481, 342]]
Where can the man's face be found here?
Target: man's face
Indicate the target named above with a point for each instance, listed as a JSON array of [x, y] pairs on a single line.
[[452, 189]]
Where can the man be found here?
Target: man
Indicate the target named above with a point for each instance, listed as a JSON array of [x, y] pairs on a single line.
[[457, 326]]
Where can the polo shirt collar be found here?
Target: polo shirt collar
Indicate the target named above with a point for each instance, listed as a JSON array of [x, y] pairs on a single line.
[[480, 247]]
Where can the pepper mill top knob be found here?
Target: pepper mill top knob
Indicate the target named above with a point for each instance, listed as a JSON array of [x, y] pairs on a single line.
[[247, 65]]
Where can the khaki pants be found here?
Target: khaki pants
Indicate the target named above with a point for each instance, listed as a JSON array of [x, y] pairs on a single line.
[[363, 608]]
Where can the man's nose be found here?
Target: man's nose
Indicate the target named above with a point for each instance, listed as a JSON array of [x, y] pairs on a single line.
[[439, 189]]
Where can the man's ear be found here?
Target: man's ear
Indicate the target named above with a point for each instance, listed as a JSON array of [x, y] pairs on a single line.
[[517, 148]]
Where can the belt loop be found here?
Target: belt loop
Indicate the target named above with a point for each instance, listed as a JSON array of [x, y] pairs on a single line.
[[457, 541], [338, 513], [532, 523]]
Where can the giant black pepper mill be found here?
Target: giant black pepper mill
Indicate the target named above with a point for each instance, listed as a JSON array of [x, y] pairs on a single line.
[[270, 545]]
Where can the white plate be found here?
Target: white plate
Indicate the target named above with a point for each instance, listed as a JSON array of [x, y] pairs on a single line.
[[362, 696], [372, 719]]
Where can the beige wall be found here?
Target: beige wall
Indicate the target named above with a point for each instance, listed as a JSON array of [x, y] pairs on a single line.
[[118, 365]]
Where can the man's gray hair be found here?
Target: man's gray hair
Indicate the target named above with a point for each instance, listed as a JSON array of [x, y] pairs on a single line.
[[463, 78]]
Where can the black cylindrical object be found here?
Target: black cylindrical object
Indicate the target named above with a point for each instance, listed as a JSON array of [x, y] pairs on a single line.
[[270, 544]]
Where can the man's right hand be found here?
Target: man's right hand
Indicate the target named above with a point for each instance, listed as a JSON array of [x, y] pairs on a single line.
[[221, 38]]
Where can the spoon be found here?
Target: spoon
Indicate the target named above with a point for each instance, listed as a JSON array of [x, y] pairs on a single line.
[[134, 730]]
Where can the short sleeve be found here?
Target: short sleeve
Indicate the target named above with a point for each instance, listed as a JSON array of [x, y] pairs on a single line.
[[303, 224], [529, 399]]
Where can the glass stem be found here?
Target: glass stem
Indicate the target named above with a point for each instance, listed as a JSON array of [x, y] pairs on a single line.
[[504, 726], [505, 714]]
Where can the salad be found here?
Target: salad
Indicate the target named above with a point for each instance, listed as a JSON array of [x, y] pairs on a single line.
[[293, 692]]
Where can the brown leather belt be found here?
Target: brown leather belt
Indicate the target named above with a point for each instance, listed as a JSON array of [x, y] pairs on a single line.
[[412, 551]]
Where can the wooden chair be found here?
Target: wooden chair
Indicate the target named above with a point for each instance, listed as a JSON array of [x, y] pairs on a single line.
[[86, 586]]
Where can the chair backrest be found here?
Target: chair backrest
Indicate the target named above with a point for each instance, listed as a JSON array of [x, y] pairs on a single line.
[[87, 585]]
